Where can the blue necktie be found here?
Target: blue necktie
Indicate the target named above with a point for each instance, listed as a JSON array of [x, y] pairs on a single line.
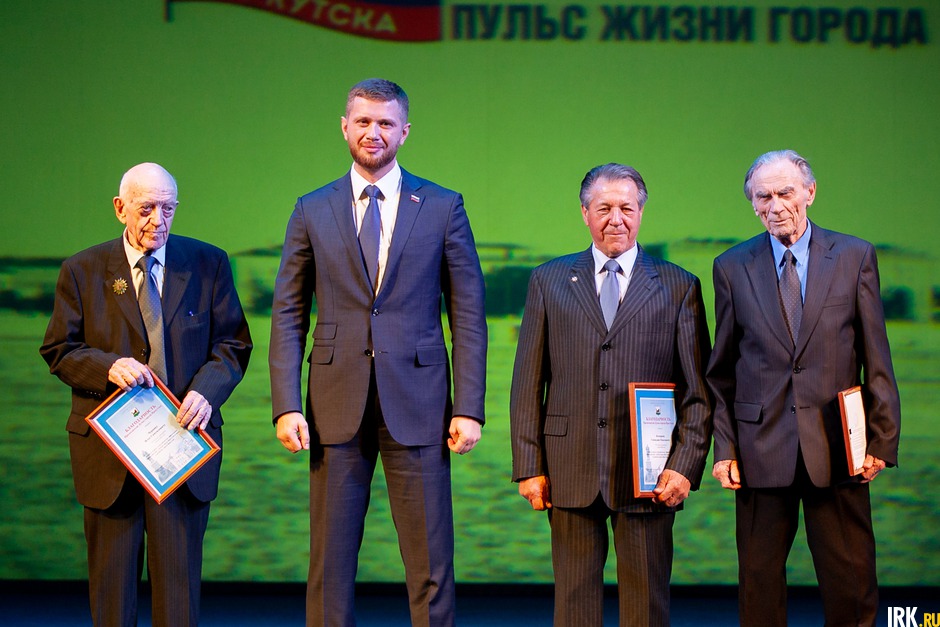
[[370, 232], [610, 292], [790, 295], [148, 298]]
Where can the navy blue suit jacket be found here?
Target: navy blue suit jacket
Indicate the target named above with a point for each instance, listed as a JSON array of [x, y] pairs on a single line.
[[432, 254]]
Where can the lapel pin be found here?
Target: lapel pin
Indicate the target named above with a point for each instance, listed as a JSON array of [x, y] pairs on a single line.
[[119, 286], [415, 198], [574, 279]]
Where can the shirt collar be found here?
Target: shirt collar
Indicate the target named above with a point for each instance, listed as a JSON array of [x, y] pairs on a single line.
[[389, 184], [800, 250], [133, 255], [626, 260]]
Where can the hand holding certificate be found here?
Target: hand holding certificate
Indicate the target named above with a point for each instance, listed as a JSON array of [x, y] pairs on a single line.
[[140, 427], [854, 428], [652, 422]]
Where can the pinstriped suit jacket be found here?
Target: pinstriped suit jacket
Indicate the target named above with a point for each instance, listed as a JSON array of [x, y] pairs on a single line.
[[571, 376], [771, 398]]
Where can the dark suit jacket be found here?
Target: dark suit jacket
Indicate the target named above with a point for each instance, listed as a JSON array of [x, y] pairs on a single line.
[[399, 329], [773, 399], [207, 347], [571, 376]]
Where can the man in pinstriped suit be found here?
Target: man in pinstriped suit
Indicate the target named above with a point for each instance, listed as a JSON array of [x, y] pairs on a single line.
[[570, 405]]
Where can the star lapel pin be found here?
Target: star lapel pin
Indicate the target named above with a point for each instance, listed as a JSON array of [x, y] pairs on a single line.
[[119, 286]]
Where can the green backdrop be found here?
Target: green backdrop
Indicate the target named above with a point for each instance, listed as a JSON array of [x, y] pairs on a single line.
[[243, 106]]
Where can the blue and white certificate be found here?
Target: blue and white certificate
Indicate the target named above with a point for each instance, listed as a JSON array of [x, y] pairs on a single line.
[[652, 423], [140, 427]]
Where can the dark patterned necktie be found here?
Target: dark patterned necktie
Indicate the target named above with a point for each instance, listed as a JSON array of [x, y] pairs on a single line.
[[148, 298], [610, 292], [371, 232], [790, 295]]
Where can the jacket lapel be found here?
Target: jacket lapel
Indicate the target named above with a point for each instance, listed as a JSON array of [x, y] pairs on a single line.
[[760, 269], [582, 284], [120, 285], [178, 272], [822, 265], [341, 202], [409, 205]]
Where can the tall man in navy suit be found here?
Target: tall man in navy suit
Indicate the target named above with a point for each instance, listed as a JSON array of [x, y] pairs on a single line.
[[799, 319], [570, 405], [96, 342], [377, 250]]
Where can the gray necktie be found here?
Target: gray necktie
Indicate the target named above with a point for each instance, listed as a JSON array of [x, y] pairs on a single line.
[[370, 232], [610, 292], [790, 295], [151, 309]]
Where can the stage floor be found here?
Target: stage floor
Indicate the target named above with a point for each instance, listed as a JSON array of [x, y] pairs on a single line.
[[64, 604]]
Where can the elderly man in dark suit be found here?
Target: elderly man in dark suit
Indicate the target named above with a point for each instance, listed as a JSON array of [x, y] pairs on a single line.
[[377, 250], [799, 319], [570, 404], [98, 341]]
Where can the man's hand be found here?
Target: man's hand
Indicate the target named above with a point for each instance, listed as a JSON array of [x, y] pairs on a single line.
[[464, 434], [726, 471], [127, 373], [194, 412], [871, 467], [537, 491], [672, 488], [293, 432]]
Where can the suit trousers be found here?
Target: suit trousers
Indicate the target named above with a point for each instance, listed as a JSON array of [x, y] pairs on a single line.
[[840, 538], [115, 536], [419, 493], [643, 544]]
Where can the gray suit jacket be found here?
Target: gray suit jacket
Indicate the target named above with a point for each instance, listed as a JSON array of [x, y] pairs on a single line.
[[93, 324], [570, 402], [773, 399], [399, 329]]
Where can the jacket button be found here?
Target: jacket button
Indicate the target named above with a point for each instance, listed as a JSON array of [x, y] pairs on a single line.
[[601, 423], [375, 311], [798, 369], [367, 352], [605, 346], [604, 387], [792, 409]]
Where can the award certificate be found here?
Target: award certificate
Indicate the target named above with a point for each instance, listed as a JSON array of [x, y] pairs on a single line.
[[853, 428], [140, 427], [652, 422]]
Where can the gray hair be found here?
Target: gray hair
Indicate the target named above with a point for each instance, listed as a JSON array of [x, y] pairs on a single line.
[[612, 172], [379, 90], [779, 155]]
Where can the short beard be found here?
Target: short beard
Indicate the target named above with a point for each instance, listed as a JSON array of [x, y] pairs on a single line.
[[372, 164]]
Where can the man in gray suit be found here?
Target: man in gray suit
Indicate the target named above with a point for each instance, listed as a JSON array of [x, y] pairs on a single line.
[[98, 341], [377, 249], [570, 405], [799, 319]]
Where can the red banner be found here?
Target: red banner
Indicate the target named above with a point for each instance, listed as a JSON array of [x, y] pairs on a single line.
[[394, 20]]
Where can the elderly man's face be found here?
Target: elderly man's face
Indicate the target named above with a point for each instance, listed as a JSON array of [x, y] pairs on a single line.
[[613, 215], [374, 131], [780, 198], [147, 209]]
